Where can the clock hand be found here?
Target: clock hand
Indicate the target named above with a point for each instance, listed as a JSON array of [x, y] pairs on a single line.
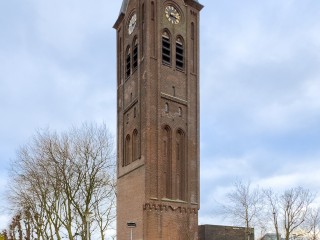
[[173, 15]]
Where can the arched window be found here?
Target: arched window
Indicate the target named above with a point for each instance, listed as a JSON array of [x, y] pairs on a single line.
[[179, 54], [128, 62], [127, 154], [181, 177], [166, 48], [135, 145], [167, 162], [135, 54]]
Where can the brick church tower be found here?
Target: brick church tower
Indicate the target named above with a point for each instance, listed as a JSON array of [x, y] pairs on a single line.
[[158, 119]]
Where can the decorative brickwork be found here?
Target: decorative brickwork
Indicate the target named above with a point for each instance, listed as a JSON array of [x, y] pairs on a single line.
[[164, 207]]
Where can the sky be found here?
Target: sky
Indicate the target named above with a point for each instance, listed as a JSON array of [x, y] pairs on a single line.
[[260, 86]]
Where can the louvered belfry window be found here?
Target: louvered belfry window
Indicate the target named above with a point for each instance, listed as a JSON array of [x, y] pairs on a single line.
[[135, 55], [128, 63], [179, 54], [166, 49]]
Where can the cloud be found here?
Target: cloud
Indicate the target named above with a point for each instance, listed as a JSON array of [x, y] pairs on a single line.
[[67, 26], [260, 75], [293, 112], [56, 69], [51, 71], [259, 84]]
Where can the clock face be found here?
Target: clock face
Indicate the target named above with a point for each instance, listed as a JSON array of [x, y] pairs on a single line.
[[172, 15], [132, 23]]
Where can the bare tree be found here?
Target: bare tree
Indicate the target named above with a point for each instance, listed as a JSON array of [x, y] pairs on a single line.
[[295, 205], [274, 208], [243, 205], [57, 179], [313, 224], [291, 208]]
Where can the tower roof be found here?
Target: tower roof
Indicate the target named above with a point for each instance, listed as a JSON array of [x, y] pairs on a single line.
[[125, 5]]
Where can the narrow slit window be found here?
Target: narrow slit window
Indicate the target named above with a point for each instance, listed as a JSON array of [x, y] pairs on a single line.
[[166, 107], [120, 61], [166, 49], [181, 164], [179, 54], [142, 41], [135, 146], [127, 153], [192, 31], [142, 10], [167, 162], [128, 63], [152, 11], [135, 55]]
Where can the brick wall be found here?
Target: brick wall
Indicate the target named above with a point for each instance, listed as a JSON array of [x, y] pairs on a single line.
[[215, 232], [158, 188]]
